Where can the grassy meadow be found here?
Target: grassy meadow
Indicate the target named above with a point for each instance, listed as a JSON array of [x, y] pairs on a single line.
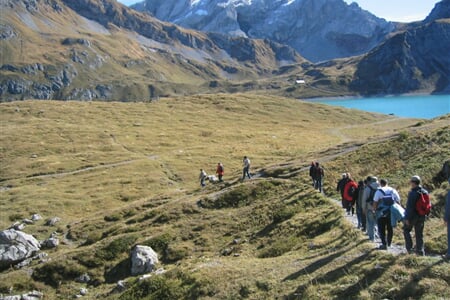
[[120, 174]]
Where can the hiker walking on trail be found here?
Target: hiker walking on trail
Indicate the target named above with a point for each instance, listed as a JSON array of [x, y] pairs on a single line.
[[203, 176], [340, 188], [415, 216], [312, 174], [220, 171], [383, 200], [349, 194], [367, 204], [358, 203], [318, 176], [246, 169]]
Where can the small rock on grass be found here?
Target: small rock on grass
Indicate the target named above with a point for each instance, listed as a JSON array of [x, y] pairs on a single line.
[[52, 221], [36, 217]]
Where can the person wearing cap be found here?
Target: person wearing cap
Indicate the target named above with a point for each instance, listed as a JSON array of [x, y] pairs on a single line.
[[367, 204], [413, 220]]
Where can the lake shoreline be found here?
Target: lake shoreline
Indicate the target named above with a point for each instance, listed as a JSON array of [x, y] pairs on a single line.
[[356, 97], [421, 106]]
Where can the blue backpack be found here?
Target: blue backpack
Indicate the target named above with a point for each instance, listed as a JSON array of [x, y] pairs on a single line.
[[384, 204]]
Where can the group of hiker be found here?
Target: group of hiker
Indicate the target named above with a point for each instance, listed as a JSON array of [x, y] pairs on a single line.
[[378, 208], [220, 171], [377, 205]]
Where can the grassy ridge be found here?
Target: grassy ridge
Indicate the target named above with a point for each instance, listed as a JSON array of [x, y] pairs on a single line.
[[261, 239]]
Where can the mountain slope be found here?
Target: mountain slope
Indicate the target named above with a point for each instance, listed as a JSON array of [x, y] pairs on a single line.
[[411, 61], [318, 29], [85, 49], [272, 236]]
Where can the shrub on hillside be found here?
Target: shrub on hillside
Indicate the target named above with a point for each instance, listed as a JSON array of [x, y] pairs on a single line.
[[171, 285], [54, 272], [242, 195]]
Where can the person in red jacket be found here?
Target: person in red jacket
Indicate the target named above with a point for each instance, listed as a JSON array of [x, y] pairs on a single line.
[[349, 192], [220, 171]]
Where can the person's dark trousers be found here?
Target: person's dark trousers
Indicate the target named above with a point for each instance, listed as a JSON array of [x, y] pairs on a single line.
[[359, 215], [318, 184], [220, 178], [363, 220], [418, 224], [384, 224], [348, 206], [448, 239], [245, 172]]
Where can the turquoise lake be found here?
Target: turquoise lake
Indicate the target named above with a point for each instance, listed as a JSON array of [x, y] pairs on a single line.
[[423, 106]]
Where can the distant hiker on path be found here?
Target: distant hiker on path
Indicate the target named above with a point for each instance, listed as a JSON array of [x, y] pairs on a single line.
[[246, 169], [414, 218], [349, 194], [367, 204], [203, 176], [383, 200], [318, 176], [312, 173], [340, 188], [220, 171]]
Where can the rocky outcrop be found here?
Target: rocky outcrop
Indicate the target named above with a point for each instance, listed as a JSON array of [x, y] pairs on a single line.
[[440, 11], [143, 260], [410, 61], [16, 246], [34, 295], [318, 29]]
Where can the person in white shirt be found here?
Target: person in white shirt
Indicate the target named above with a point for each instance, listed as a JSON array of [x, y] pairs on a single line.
[[246, 170], [202, 177], [383, 199]]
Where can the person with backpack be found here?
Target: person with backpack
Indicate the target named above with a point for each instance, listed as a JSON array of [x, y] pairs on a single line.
[[203, 176], [367, 205], [318, 176], [246, 169], [417, 207], [383, 200], [220, 171], [340, 188], [349, 193]]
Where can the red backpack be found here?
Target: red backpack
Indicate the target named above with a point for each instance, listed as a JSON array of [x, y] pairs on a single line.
[[349, 190], [423, 204]]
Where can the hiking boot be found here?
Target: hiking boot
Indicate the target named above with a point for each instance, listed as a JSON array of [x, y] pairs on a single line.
[[382, 247]]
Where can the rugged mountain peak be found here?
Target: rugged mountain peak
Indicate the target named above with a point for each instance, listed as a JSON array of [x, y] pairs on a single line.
[[63, 49], [440, 11], [318, 29]]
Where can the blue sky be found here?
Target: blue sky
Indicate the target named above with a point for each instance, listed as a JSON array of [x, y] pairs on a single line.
[[391, 10]]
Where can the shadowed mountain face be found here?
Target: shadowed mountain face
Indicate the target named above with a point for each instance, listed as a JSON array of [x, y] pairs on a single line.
[[440, 11], [414, 60], [100, 49], [318, 29]]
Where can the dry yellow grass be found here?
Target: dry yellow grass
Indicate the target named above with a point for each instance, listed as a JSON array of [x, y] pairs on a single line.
[[159, 147]]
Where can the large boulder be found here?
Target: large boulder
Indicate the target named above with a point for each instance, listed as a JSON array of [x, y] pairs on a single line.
[[143, 260], [16, 246]]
